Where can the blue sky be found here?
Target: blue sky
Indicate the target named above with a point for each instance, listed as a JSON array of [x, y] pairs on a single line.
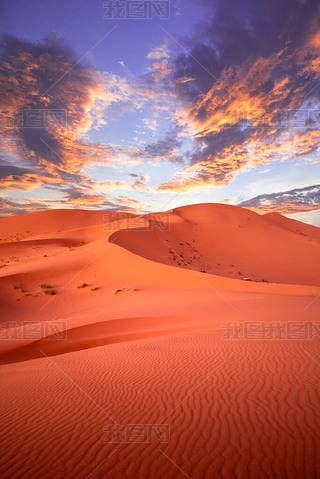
[[217, 103]]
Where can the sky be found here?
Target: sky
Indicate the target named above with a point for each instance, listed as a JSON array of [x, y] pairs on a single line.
[[145, 105]]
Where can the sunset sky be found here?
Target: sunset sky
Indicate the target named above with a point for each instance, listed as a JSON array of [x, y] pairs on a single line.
[[191, 102]]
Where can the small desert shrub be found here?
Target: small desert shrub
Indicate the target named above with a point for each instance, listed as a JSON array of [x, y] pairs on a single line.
[[45, 286], [49, 291], [83, 285], [126, 290], [94, 289]]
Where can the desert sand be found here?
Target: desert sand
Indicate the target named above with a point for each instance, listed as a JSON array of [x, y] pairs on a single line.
[[112, 319]]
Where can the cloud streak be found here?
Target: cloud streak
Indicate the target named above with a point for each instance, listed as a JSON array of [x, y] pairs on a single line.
[[286, 202]]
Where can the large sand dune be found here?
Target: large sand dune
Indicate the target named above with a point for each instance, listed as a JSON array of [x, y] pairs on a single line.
[[143, 305], [229, 241]]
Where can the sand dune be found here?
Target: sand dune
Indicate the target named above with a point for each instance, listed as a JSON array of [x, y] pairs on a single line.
[[293, 225], [231, 241], [17, 228], [143, 341]]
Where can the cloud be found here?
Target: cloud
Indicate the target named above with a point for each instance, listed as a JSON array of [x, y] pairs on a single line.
[[286, 202], [247, 94], [253, 97], [151, 123], [46, 113], [158, 53], [48, 104], [141, 182], [163, 149], [46, 116], [235, 31], [10, 207], [111, 185], [83, 196], [75, 198], [184, 79]]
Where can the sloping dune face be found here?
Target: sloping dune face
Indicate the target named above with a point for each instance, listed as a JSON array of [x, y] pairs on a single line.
[[22, 227], [230, 241], [118, 362]]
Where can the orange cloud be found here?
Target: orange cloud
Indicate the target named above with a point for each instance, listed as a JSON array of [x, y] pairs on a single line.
[[160, 69], [286, 208], [46, 113], [257, 112], [184, 79]]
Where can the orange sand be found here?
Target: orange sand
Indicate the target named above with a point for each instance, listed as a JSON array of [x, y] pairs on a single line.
[[144, 343]]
